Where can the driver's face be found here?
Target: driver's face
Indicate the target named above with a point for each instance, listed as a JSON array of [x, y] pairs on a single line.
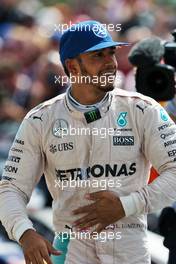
[[101, 65]]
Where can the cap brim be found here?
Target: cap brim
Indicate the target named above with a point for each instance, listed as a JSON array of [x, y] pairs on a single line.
[[104, 45]]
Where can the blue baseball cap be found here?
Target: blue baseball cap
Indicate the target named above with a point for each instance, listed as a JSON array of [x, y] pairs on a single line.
[[84, 37]]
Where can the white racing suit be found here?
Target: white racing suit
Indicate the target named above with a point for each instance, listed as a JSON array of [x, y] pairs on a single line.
[[139, 131]]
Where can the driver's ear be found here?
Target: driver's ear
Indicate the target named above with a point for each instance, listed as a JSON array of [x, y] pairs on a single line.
[[72, 66]]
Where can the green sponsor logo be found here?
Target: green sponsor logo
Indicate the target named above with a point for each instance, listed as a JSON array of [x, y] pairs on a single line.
[[92, 115]]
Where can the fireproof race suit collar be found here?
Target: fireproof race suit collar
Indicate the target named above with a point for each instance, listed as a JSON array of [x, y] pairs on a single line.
[[85, 108], [79, 111]]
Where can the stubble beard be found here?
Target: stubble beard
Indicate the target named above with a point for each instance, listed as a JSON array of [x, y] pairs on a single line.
[[103, 87]]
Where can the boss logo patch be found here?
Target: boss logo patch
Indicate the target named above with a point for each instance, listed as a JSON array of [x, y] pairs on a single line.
[[123, 140]]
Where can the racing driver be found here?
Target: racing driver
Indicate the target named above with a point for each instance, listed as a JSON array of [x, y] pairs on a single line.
[[138, 133]]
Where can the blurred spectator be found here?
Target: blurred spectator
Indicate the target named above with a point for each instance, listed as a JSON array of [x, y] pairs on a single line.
[[13, 97], [47, 84], [10, 14]]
